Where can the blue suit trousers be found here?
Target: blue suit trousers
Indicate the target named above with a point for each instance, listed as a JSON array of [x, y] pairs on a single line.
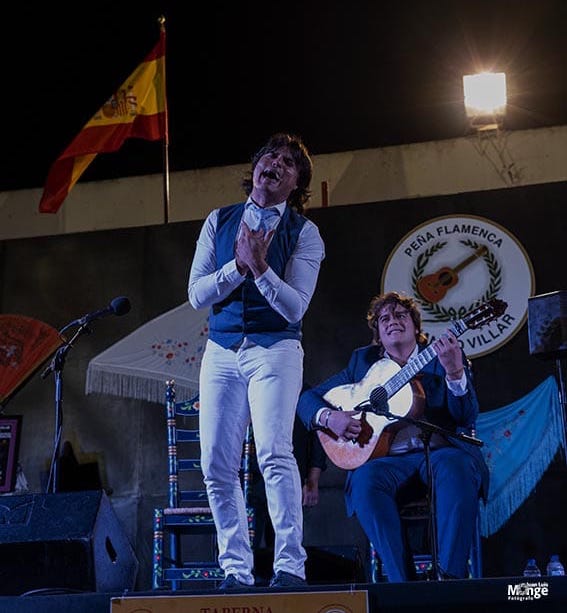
[[372, 493]]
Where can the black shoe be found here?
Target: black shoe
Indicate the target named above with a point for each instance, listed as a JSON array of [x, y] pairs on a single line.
[[283, 579], [231, 582]]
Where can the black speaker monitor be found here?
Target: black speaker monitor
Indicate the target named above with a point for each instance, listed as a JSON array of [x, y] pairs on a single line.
[[547, 325], [68, 540]]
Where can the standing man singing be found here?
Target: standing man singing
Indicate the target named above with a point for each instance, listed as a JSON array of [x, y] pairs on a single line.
[[256, 267]]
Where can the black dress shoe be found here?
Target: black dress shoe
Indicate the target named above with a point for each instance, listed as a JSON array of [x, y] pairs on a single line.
[[231, 582], [283, 579]]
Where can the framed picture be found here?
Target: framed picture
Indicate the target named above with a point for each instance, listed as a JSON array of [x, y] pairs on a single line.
[[10, 426]]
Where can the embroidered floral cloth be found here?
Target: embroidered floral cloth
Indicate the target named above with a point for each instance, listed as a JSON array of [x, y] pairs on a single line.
[[168, 347], [520, 441]]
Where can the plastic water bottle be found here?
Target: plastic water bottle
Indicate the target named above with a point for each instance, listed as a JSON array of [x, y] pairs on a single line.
[[554, 567], [532, 569]]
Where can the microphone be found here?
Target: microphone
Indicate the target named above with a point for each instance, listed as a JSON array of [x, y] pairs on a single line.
[[379, 400], [118, 306]]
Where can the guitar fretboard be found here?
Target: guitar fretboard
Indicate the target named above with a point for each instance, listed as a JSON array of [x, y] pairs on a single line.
[[480, 316], [395, 383]]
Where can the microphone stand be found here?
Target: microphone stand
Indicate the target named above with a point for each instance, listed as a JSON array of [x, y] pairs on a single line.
[[427, 430], [56, 366]]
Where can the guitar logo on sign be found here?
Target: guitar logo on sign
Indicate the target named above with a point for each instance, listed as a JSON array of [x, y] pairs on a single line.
[[397, 385], [434, 287]]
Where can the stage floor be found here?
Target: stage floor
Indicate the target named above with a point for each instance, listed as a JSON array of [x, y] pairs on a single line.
[[546, 594]]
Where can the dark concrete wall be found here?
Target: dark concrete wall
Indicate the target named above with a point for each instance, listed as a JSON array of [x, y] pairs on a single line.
[[57, 279]]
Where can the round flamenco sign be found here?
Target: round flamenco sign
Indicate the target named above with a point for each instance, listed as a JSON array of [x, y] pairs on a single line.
[[453, 265]]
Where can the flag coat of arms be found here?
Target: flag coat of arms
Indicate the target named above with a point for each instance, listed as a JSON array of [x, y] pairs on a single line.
[[137, 110]]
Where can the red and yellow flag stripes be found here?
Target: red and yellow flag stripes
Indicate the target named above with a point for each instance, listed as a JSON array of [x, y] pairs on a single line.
[[137, 110]]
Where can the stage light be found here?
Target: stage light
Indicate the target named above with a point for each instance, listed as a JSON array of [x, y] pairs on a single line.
[[485, 104], [485, 99]]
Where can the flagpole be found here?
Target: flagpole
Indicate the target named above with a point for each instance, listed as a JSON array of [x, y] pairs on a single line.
[[161, 21], [138, 109]]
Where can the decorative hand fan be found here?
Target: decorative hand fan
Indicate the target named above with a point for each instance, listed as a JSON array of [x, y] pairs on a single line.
[[25, 343]]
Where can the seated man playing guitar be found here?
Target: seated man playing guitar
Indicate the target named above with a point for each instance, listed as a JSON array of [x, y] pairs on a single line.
[[441, 394]]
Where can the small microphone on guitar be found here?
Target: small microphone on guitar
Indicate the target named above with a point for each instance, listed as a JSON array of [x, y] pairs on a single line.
[[379, 400]]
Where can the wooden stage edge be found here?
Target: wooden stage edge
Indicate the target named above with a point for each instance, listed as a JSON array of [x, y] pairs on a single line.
[[545, 594]]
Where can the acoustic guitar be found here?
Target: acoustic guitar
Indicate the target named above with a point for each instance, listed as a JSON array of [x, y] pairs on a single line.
[[433, 287], [397, 388]]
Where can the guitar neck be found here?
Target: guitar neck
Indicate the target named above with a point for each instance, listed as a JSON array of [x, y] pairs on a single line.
[[395, 383], [408, 372], [478, 253]]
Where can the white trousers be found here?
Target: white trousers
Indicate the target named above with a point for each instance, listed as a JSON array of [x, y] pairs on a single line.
[[261, 385]]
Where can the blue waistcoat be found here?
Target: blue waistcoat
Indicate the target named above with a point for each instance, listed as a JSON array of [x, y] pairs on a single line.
[[245, 312]]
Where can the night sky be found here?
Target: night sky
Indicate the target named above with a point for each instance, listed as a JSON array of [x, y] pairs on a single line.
[[343, 75]]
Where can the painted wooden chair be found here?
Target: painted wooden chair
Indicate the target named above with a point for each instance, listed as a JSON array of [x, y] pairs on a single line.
[[184, 530]]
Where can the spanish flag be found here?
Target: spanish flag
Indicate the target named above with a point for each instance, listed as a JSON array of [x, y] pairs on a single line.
[[137, 110]]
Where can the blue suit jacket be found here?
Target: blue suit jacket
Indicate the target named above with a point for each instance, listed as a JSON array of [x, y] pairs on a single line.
[[442, 408]]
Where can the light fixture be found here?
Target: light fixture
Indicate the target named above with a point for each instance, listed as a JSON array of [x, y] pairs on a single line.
[[485, 99], [485, 105]]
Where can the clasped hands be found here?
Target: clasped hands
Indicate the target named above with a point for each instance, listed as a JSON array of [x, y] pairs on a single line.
[[250, 250]]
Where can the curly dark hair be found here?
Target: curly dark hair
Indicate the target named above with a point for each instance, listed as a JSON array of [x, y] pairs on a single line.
[[393, 299], [299, 196]]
